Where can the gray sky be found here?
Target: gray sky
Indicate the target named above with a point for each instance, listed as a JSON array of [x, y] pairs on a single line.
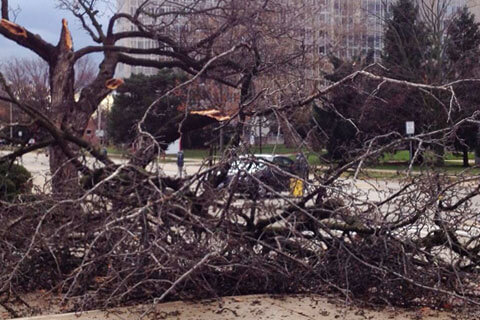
[[43, 18]]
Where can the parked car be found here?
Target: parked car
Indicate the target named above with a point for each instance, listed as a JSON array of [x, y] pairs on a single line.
[[251, 174]]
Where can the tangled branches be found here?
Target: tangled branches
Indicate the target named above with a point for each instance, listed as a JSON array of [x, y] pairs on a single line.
[[408, 242]]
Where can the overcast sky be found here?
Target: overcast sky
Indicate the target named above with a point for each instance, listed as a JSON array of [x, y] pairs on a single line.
[[43, 18]]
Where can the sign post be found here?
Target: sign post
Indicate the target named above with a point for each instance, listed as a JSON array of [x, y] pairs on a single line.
[[410, 130]]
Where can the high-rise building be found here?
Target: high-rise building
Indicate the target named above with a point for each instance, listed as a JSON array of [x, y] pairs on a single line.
[[346, 28], [159, 15]]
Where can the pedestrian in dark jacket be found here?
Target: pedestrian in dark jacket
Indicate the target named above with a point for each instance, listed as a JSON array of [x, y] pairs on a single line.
[[301, 166]]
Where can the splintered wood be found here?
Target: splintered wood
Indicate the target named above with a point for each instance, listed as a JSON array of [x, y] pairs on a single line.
[[113, 83], [14, 28], [67, 37]]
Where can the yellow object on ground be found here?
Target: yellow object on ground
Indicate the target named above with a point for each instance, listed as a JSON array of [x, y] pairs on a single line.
[[296, 187]]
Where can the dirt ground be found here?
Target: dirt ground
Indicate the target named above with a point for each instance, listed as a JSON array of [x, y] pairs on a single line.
[[257, 307]]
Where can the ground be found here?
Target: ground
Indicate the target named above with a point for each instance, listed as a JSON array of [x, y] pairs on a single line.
[[260, 307]]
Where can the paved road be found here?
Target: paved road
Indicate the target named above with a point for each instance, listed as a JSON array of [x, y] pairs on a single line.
[[38, 165], [256, 307]]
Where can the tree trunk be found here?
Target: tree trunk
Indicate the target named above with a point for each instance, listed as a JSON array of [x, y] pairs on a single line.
[[5, 10], [290, 136], [246, 93], [64, 174], [465, 157], [419, 160], [438, 154], [477, 147]]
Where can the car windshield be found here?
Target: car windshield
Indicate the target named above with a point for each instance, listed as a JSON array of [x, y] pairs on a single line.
[[283, 161], [249, 164]]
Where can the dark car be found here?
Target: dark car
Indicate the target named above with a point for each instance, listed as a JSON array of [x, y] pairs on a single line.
[[258, 175]]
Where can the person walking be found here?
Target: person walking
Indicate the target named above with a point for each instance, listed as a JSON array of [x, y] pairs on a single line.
[[180, 163], [301, 166]]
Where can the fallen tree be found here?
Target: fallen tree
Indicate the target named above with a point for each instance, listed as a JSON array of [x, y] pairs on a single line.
[[130, 233]]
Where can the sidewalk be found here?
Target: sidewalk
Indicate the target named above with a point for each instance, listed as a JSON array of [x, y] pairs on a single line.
[[258, 307]]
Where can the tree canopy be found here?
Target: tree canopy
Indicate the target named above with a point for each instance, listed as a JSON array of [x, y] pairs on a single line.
[[405, 41]]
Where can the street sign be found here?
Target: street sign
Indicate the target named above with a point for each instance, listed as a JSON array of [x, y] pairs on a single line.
[[410, 127]]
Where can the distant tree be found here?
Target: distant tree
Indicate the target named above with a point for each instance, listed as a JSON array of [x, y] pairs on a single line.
[[29, 78], [133, 99], [463, 50], [462, 45], [164, 120], [339, 133], [405, 40], [356, 111], [415, 50]]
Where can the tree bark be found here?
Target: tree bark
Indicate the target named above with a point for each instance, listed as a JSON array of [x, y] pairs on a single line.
[[465, 157], [477, 147], [5, 10], [64, 173], [438, 154]]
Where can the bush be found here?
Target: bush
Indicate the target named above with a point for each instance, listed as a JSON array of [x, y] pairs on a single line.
[[14, 180]]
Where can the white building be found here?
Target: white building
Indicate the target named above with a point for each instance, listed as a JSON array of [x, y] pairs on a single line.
[[347, 28], [160, 15]]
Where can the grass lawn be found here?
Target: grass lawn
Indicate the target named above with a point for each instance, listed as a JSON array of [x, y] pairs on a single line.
[[396, 162], [451, 168], [266, 149], [404, 155], [270, 148], [194, 153], [115, 150]]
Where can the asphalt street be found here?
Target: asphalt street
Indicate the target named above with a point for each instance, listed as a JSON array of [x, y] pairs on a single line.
[[38, 165], [374, 190]]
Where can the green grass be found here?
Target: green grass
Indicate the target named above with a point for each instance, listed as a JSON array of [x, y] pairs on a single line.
[[404, 155], [115, 150], [266, 149], [195, 153], [450, 168], [269, 148], [395, 162], [458, 156], [398, 156]]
